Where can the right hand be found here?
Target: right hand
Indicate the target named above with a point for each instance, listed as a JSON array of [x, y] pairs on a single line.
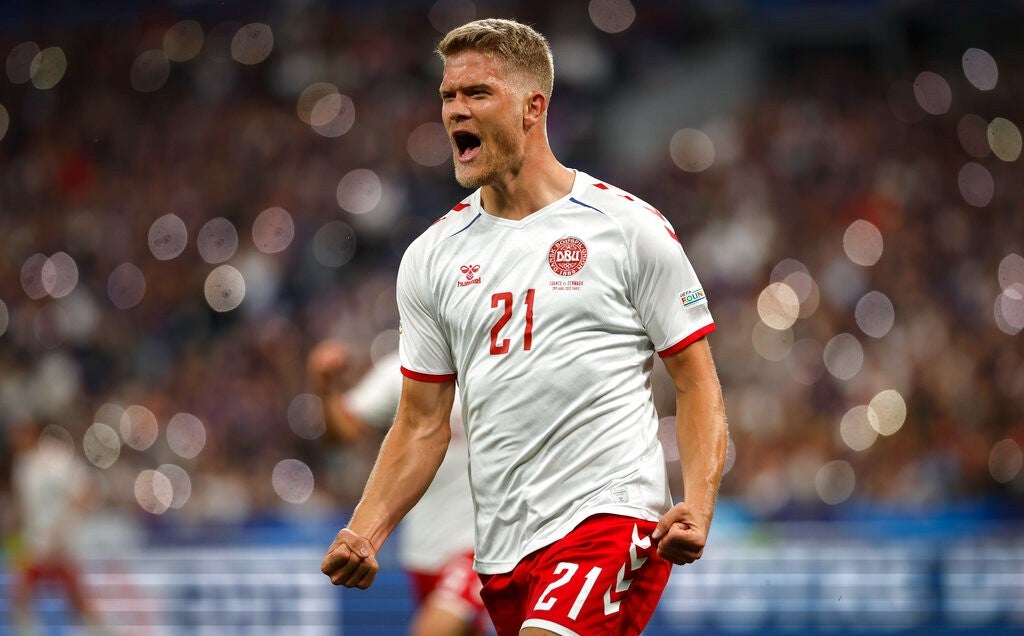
[[351, 560], [325, 363]]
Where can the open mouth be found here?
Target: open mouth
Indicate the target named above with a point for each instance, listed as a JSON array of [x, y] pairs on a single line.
[[467, 145]]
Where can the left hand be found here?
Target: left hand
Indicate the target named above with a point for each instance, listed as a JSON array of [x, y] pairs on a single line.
[[681, 535]]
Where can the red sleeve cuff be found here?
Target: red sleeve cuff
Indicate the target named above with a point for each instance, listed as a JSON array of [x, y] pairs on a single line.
[[428, 377], [687, 341]]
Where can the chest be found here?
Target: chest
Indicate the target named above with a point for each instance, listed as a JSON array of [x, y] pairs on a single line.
[[516, 288]]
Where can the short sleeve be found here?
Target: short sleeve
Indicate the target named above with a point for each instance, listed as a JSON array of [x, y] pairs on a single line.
[[423, 348], [375, 398], [666, 292]]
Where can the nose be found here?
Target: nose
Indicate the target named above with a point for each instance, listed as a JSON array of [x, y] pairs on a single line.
[[457, 110]]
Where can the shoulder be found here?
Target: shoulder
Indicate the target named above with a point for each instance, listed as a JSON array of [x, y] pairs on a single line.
[[630, 213], [458, 218]]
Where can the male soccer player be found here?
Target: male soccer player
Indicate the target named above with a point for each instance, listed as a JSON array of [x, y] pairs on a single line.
[[52, 490], [436, 542], [545, 294]]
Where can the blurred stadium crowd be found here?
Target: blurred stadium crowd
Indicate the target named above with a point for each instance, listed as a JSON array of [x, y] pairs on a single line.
[[191, 197]]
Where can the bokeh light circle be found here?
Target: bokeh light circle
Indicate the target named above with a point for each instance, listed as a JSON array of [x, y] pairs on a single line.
[[770, 343], [890, 411], [932, 93], [863, 243], [692, 150], [859, 428], [334, 244], [972, 131], [217, 240], [139, 428], [153, 492], [273, 230], [168, 237], [843, 356], [252, 43], [980, 69], [310, 97], [19, 62], [976, 184], [101, 445], [1011, 270], [186, 435], [875, 314], [150, 71], [57, 443], [48, 67], [1005, 460], [337, 113], [835, 482], [224, 288], [778, 306], [183, 41], [903, 103], [59, 275], [1009, 309], [429, 145], [806, 289], [32, 276], [306, 416], [612, 16], [359, 191], [292, 481], [110, 414], [181, 484], [126, 286], [1004, 138]]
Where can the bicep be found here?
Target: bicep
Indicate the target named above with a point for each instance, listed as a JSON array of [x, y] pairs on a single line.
[[425, 405], [692, 367]]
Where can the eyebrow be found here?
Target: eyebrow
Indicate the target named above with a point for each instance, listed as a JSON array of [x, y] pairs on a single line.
[[471, 87]]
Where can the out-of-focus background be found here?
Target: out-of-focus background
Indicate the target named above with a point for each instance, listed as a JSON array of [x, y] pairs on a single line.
[[194, 193]]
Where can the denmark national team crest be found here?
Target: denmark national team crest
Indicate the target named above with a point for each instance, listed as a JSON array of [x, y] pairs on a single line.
[[567, 256]]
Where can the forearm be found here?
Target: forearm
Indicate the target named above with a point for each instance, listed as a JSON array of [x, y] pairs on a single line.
[[702, 437], [407, 462]]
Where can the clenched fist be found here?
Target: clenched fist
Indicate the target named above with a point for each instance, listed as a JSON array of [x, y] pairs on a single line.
[[351, 560]]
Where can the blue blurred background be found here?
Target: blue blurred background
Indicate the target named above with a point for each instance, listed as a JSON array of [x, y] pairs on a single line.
[[192, 194]]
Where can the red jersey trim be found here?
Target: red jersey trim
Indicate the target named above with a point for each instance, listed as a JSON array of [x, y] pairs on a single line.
[[686, 342], [428, 377]]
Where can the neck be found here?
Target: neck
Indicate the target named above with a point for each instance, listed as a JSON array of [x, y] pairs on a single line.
[[539, 181]]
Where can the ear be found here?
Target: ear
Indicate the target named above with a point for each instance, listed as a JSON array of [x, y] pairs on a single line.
[[535, 106]]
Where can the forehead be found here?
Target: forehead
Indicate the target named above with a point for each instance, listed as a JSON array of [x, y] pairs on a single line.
[[472, 68]]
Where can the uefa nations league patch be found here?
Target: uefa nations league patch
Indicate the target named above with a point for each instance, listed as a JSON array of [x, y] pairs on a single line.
[[693, 297]]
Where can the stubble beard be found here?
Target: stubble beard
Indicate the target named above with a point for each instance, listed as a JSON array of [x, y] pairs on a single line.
[[503, 155]]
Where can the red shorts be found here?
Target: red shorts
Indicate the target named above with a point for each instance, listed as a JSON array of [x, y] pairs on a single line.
[[455, 585], [604, 577], [64, 574]]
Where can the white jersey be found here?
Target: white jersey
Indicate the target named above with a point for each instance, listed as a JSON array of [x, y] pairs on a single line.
[[549, 325], [440, 526], [48, 482]]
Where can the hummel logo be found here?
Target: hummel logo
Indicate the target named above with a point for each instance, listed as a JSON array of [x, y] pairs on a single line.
[[471, 277]]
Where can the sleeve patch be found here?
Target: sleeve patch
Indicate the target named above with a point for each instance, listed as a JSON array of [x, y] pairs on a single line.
[[693, 297]]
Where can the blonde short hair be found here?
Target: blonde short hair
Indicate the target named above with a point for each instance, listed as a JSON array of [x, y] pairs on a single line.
[[517, 46]]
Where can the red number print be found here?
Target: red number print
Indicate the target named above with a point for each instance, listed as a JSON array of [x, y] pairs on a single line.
[[500, 347]]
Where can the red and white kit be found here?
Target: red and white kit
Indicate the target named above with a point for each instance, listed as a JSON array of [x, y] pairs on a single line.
[[549, 324]]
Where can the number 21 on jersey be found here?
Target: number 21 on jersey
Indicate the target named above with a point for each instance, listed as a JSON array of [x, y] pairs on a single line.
[[505, 302]]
